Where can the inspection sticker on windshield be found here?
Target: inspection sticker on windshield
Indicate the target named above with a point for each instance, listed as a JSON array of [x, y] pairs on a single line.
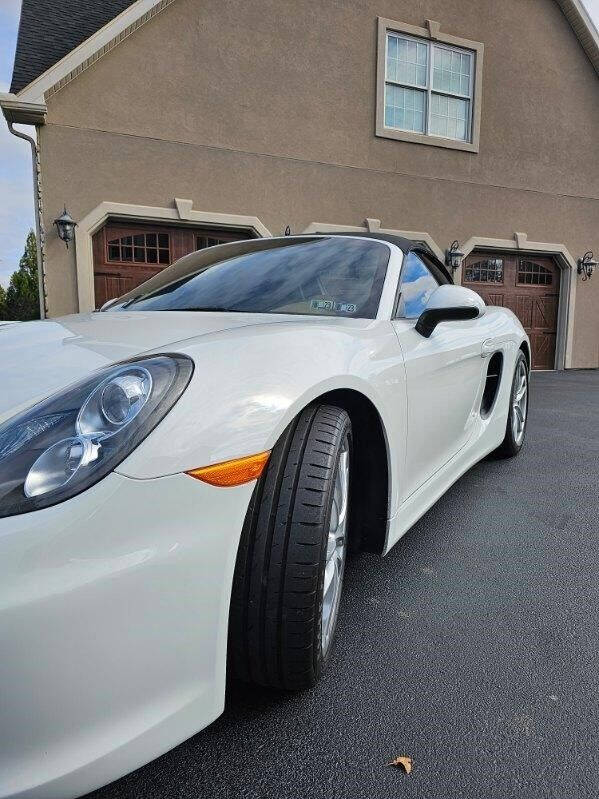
[[331, 305]]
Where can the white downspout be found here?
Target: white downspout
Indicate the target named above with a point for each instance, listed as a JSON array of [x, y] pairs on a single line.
[[38, 211]]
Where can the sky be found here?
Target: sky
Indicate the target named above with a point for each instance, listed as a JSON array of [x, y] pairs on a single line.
[[16, 181]]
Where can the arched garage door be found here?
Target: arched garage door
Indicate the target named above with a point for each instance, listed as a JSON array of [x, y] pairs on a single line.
[[126, 255], [526, 284]]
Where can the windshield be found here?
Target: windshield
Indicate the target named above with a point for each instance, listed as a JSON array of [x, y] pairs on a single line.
[[327, 276]]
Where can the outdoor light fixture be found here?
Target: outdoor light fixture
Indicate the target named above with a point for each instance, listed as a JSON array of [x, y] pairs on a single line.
[[453, 256], [65, 225], [586, 265]]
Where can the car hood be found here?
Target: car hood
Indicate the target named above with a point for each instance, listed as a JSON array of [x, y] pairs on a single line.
[[38, 358]]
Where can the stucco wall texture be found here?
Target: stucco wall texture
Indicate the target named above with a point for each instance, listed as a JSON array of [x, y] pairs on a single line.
[[267, 108]]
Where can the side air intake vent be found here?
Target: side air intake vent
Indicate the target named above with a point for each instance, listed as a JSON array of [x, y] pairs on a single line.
[[492, 382]]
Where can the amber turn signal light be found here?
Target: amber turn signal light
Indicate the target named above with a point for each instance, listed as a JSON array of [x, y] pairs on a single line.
[[232, 473]]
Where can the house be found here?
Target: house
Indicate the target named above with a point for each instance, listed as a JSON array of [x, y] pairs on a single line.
[[165, 126]]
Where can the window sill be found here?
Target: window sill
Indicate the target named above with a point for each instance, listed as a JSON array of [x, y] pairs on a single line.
[[422, 138]]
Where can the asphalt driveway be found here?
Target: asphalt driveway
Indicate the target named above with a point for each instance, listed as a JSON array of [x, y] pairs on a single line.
[[473, 648]]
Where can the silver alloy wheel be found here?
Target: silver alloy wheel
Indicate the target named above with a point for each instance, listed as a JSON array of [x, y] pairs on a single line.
[[520, 402], [336, 549]]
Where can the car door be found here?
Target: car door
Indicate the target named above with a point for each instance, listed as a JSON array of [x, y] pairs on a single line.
[[443, 376]]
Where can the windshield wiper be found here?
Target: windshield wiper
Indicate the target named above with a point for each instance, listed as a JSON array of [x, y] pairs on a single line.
[[131, 301]]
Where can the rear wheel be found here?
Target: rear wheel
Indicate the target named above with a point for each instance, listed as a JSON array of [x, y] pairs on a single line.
[[291, 560], [518, 413]]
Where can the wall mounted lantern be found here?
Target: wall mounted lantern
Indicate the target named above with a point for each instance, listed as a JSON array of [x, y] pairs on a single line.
[[587, 265], [65, 226], [453, 256]]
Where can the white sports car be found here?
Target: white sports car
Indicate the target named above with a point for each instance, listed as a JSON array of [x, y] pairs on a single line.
[[182, 474]]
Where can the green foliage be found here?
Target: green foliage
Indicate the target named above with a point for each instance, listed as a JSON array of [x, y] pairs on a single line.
[[21, 298]]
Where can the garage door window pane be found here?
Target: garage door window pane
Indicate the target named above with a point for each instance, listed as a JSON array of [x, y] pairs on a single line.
[[533, 274], [490, 270], [140, 248]]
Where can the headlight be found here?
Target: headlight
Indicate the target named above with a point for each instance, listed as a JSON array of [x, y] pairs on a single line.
[[68, 442]]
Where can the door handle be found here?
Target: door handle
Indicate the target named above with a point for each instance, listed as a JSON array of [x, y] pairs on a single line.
[[488, 347]]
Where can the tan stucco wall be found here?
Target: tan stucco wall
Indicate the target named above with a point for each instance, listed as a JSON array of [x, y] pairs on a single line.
[[267, 109]]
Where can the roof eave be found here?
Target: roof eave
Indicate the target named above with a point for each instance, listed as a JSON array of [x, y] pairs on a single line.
[[582, 25], [18, 111]]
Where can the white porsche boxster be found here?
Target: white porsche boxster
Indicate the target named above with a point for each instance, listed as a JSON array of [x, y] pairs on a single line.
[[183, 473]]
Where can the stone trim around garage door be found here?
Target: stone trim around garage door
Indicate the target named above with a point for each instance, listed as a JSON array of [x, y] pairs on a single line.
[[567, 294], [182, 212]]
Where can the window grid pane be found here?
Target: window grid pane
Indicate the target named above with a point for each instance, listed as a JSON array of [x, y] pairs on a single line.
[[404, 108], [451, 71], [407, 61], [449, 117]]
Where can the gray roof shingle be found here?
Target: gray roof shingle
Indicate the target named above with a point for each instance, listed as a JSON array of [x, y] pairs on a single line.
[[48, 30]]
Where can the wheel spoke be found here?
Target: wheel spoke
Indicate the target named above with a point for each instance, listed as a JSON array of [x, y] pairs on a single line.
[[519, 403], [519, 415], [329, 576], [343, 487], [515, 427]]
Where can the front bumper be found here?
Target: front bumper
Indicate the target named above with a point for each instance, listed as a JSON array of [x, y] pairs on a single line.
[[113, 629]]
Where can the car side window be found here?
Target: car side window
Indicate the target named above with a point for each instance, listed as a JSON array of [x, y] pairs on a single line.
[[416, 286]]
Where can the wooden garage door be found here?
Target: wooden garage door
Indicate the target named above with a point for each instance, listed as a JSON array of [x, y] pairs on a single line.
[[125, 256], [527, 285]]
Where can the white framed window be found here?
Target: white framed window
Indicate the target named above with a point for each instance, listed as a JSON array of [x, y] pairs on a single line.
[[428, 88]]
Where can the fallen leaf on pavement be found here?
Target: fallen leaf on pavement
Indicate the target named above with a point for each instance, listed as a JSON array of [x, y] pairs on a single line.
[[404, 762]]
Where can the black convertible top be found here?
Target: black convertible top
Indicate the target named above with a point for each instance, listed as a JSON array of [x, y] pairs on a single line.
[[405, 245]]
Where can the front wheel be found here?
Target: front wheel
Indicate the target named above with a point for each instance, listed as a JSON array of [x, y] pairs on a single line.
[[518, 412], [291, 560]]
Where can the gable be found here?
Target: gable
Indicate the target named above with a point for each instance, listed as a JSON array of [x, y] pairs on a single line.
[[49, 30]]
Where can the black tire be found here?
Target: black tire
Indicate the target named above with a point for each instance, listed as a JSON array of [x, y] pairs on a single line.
[[276, 602], [510, 446]]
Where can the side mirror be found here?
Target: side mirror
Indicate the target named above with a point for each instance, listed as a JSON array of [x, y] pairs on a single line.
[[449, 304]]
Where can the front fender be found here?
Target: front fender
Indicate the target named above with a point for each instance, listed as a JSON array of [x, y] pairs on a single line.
[[250, 382]]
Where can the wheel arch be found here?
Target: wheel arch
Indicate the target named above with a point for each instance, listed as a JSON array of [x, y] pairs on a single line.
[[526, 350], [371, 470]]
